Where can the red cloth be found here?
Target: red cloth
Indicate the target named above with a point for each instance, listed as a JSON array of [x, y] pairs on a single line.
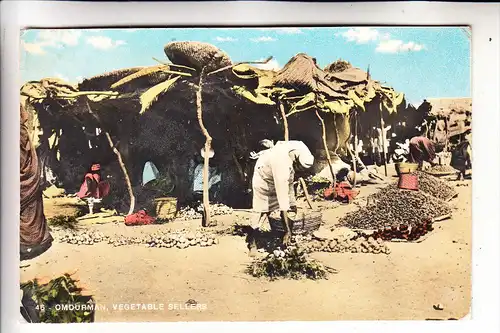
[[421, 149], [100, 191], [33, 226], [343, 192], [139, 218]]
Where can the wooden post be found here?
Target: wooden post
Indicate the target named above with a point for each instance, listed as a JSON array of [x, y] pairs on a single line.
[[205, 222], [327, 152], [382, 125], [120, 161], [306, 193], [355, 144], [283, 116]]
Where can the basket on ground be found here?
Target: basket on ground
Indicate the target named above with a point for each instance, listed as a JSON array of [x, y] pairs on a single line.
[[408, 181], [166, 208], [405, 168], [303, 222]]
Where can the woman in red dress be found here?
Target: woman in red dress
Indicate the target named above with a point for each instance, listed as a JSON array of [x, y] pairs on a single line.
[[93, 189]]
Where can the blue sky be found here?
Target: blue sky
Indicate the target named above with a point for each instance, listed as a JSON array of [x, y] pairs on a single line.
[[421, 62]]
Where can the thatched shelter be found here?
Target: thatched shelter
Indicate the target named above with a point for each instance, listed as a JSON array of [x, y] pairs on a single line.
[[150, 114]]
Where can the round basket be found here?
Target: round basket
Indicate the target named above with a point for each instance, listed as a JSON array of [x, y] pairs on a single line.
[[303, 222], [405, 168]]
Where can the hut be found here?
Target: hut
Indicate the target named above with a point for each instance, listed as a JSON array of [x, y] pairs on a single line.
[[150, 115]]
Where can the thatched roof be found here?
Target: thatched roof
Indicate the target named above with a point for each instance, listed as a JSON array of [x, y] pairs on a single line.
[[197, 55], [302, 73], [338, 66], [447, 106], [105, 80]]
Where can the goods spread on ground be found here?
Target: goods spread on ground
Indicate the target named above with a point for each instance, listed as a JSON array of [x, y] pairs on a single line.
[[180, 239], [193, 213], [435, 187], [393, 207], [292, 263], [59, 301], [442, 170], [358, 244]]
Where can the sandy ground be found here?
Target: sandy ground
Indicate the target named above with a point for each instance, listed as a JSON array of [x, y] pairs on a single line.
[[401, 286]]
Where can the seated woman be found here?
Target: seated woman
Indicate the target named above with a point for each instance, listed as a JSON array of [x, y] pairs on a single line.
[[93, 189]]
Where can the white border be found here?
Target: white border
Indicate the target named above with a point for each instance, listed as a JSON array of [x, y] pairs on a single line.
[[484, 19]]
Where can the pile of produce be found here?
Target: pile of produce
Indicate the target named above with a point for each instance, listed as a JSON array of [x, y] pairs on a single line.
[[316, 186], [292, 263], [86, 237], [193, 213], [359, 244], [410, 233], [53, 297], [435, 187], [180, 239], [395, 207], [441, 170], [63, 221]]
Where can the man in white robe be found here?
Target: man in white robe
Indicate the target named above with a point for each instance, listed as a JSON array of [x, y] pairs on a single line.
[[272, 182]]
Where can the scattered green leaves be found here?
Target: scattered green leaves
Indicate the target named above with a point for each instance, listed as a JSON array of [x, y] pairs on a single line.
[[292, 263]]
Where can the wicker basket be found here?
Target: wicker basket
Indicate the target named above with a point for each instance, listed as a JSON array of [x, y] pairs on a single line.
[[408, 181], [166, 208], [302, 223], [405, 168]]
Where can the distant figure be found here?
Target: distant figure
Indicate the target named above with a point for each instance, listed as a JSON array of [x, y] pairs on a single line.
[[35, 237], [272, 182], [93, 189], [461, 155], [422, 150]]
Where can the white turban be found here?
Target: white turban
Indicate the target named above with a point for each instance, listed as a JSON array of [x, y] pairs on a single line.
[[301, 152]]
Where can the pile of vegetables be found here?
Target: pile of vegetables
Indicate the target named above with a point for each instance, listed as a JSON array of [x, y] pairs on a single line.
[[292, 263], [167, 238], [53, 297]]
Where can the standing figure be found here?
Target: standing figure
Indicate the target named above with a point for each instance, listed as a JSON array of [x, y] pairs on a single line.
[[383, 144], [272, 182], [35, 237], [461, 155], [93, 189]]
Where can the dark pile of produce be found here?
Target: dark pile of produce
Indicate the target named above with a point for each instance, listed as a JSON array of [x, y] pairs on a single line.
[[435, 187], [411, 233], [395, 207]]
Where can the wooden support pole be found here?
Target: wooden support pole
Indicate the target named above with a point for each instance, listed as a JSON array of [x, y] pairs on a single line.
[[206, 219], [306, 193], [120, 161], [327, 152], [355, 145], [283, 116], [382, 127]]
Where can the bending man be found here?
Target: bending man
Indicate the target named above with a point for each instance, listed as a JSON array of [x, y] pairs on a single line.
[[422, 150], [272, 182]]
